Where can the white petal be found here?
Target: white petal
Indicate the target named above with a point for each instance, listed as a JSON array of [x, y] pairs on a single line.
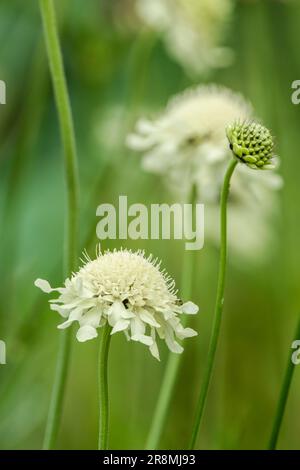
[[145, 127], [161, 333], [127, 336], [74, 315], [147, 340], [115, 312], [43, 285], [58, 308], [189, 332], [148, 318], [171, 343], [121, 325], [167, 314], [154, 351], [78, 283], [190, 308], [127, 314], [186, 333], [138, 143], [174, 346], [64, 325], [137, 327], [85, 333], [153, 348], [92, 317], [83, 303], [81, 290]]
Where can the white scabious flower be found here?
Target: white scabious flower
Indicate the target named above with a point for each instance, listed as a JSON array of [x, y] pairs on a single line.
[[187, 145], [130, 293], [187, 142], [193, 30]]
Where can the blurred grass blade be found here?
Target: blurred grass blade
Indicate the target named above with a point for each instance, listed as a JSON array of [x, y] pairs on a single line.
[[174, 360], [284, 394], [70, 161]]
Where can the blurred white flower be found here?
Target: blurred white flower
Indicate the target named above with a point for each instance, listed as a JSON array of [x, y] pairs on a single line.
[[187, 142], [192, 30], [127, 291], [187, 145]]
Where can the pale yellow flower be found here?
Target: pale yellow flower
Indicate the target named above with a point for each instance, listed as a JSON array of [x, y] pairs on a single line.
[[130, 293]]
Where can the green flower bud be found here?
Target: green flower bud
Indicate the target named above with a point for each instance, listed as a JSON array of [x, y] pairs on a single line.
[[252, 144]]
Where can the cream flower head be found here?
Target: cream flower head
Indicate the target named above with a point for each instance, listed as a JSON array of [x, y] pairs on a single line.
[[188, 138], [192, 30], [187, 144], [130, 293]]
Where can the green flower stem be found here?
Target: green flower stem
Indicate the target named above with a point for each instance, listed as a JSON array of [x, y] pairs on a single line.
[[103, 387], [173, 363], [284, 394], [218, 306], [71, 174]]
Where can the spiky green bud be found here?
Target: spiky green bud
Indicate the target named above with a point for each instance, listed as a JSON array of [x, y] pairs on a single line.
[[252, 144]]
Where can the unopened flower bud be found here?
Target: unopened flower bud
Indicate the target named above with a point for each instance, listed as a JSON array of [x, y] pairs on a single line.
[[252, 144]]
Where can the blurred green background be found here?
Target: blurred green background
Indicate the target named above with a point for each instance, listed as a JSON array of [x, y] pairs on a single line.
[[117, 72]]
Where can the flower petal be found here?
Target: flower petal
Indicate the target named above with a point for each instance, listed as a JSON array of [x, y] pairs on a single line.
[[186, 333], [127, 336], [115, 312], [83, 303], [154, 351], [148, 318], [74, 316], [174, 346], [121, 325], [189, 308], [144, 126], [127, 314], [171, 343], [43, 285], [85, 333], [147, 340], [58, 308], [92, 317], [137, 327], [153, 348], [189, 332]]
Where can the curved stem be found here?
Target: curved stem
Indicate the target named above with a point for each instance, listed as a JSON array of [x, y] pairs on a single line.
[[103, 387], [173, 362], [71, 174], [284, 394], [218, 306]]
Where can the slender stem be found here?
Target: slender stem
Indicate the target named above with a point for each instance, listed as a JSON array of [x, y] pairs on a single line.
[[218, 306], [284, 394], [71, 175], [173, 363], [57, 393], [66, 127], [103, 387]]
